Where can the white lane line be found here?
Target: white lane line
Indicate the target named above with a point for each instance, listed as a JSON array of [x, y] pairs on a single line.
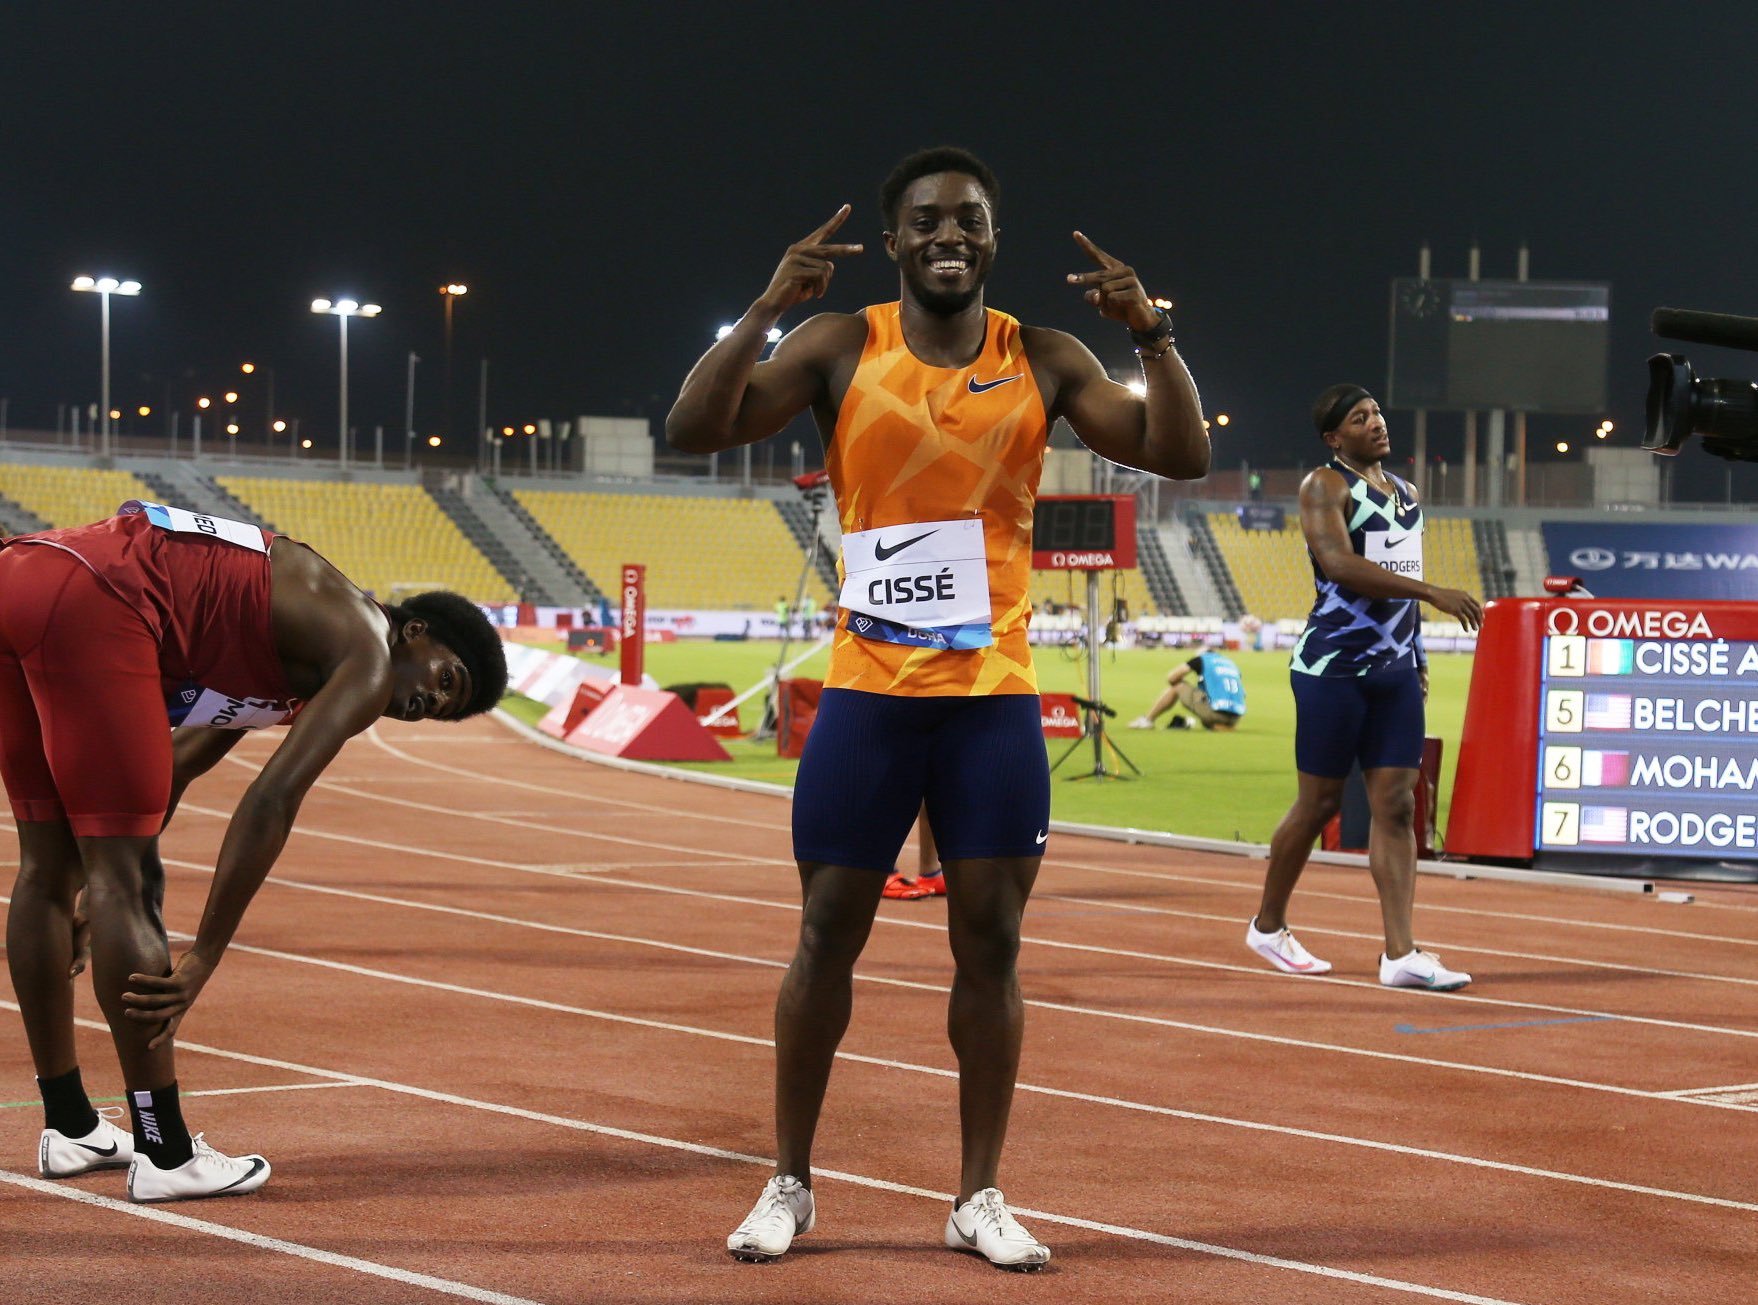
[[212, 1092], [158, 1214], [1692, 1092], [272, 1087], [907, 1066], [883, 918], [1432, 944], [584, 800], [1454, 946], [916, 985], [1256, 972], [1254, 884], [614, 1017], [859, 1180]]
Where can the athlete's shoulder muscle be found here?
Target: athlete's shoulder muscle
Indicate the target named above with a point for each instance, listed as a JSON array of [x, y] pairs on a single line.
[[1061, 362]]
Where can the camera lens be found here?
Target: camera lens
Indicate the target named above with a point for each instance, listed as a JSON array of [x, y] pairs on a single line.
[[1723, 412]]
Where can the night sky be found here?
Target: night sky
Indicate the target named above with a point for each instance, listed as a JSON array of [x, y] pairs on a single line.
[[613, 181]]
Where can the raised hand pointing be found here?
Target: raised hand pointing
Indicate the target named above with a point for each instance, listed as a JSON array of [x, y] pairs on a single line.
[[1114, 289], [806, 268]]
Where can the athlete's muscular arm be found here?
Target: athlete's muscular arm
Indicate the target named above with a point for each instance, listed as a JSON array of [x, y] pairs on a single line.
[[1162, 432], [1323, 499], [730, 398], [356, 691]]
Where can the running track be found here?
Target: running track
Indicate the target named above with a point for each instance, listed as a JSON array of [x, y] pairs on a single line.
[[500, 1019]]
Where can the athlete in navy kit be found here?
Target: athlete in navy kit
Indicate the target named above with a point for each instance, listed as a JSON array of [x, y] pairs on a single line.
[[1360, 679]]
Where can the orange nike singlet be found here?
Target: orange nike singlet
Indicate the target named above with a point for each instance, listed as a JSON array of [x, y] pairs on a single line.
[[920, 443]]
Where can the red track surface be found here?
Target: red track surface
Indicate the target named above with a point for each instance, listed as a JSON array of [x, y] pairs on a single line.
[[501, 1018]]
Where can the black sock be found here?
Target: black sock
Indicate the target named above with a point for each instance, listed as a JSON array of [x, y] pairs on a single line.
[[66, 1108], [159, 1132]]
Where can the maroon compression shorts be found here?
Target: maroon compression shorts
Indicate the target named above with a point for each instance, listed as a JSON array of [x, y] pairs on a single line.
[[83, 732]]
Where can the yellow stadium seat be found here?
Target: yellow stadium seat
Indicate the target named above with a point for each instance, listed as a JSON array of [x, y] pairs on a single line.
[[700, 552], [1273, 572], [390, 539], [70, 496]]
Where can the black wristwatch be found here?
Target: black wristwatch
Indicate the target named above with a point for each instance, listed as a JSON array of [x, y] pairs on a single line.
[[1156, 334]]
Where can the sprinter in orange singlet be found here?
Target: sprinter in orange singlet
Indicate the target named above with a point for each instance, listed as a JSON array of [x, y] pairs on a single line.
[[935, 412]]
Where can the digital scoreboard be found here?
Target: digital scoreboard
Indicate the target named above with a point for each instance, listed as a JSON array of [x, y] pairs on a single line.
[[1084, 532], [1607, 730]]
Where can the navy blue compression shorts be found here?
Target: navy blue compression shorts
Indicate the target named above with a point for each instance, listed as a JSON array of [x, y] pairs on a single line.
[[872, 758], [1339, 720]]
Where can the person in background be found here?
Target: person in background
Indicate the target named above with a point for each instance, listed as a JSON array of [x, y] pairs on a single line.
[[1208, 686], [1360, 680]]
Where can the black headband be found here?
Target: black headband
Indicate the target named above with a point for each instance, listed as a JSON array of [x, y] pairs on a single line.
[[1334, 415]]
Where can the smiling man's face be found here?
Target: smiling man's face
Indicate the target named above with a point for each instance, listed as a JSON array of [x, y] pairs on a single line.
[[945, 240]]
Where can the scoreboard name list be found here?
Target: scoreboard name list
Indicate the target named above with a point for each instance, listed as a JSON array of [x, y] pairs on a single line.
[[1649, 747]]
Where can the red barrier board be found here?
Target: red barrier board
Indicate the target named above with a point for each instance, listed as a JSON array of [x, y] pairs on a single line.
[[634, 619], [1060, 716], [796, 709], [646, 725], [563, 717], [1612, 728], [711, 700]]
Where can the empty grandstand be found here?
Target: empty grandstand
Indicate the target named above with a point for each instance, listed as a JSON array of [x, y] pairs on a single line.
[[66, 495], [1274, 575], [390, 539], [562, 542], [700, 552]]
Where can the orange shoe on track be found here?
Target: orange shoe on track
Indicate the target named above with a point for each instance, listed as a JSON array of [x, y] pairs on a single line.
[[933, 885], [902, 889]]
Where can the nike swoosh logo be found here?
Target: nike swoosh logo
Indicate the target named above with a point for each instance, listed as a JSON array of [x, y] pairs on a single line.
[[256, 1167], [97, 1150], [881, 552], [1042, 838], [970, 1239], [982, 387], [1392, 542]]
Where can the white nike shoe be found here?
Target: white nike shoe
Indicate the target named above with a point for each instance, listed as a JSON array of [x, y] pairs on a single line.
[[1283, 950], [1141, 723], [783, 1212], [985, 1225], [105, 1147], [1421, 969], [206, 1173]]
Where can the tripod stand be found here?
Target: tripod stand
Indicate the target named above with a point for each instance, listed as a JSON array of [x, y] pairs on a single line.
[[815, 485], [1093, 710]]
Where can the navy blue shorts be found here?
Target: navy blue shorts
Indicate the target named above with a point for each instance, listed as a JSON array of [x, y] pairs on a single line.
[[872, 758], [1340, 720]]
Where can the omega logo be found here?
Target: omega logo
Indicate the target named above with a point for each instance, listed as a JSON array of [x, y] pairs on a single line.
[[1603, 623]]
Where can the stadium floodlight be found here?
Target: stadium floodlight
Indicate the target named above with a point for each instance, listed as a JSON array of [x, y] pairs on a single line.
[[104, 287], [725, 329], [342, 310]]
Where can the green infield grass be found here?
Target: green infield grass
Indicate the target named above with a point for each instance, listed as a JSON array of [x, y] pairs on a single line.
[[1218, 785]]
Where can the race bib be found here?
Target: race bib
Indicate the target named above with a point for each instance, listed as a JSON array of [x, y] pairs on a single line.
[[1399, 551], [197, 523], [925, 584], [195, 705]]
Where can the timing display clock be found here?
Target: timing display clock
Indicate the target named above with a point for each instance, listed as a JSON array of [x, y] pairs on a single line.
[[1084, 532], [1421, 298]]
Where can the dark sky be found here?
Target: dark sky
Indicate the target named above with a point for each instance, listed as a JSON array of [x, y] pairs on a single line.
[[614, 180]]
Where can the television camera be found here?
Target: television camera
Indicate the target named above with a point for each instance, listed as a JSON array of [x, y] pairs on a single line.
[[1680, 403]]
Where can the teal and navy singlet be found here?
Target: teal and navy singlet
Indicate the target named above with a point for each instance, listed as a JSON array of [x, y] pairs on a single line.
[[1349, 634]]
